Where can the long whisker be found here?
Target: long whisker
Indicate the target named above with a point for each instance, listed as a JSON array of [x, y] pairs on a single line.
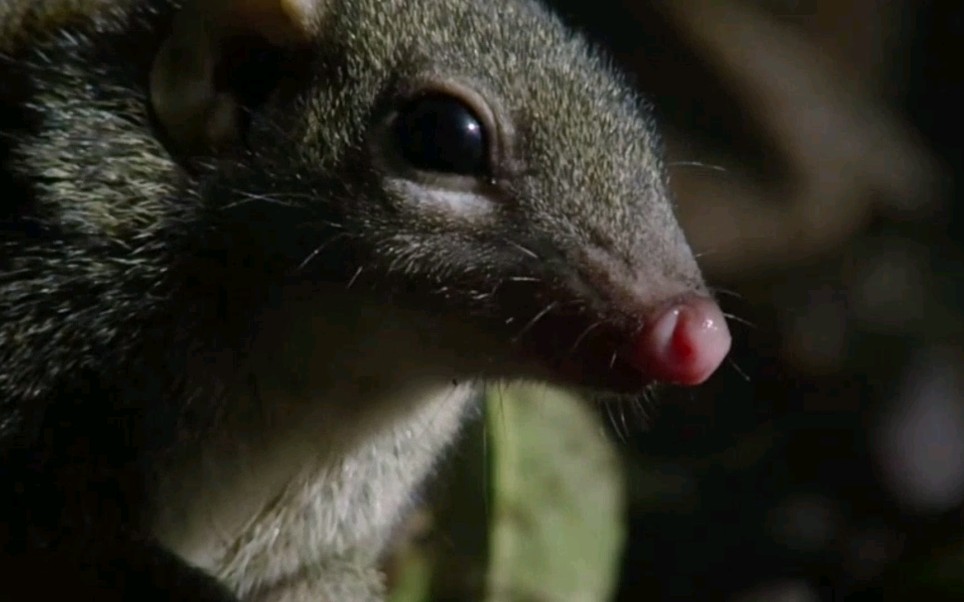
[[728, 293], [583, 336], [535, 320], [355, 277], [524, 250], [641, 414], [251, 197], [739, 370], [622, 419], [612, 421], [699, 164], [740, 320], [311, 256]]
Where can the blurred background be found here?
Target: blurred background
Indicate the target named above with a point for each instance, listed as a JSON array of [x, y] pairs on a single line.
[[814, 147], [815, 150]]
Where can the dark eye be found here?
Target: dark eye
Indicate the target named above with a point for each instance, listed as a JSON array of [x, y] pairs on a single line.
[[441, 133]]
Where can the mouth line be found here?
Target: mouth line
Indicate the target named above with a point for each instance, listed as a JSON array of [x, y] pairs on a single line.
[[618, 385], [594, 361]]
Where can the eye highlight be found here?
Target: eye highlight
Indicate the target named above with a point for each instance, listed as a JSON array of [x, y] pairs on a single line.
[[441, 133]]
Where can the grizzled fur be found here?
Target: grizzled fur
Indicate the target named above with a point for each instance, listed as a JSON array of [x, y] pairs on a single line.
[[250, 360]]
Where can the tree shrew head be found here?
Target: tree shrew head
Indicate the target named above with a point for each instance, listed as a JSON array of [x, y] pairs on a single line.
[[472, 161]]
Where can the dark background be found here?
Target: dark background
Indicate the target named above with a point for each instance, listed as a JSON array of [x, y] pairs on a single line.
[[826, 462]]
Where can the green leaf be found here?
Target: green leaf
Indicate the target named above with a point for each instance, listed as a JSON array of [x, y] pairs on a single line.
[[415, 579], [557, 499]]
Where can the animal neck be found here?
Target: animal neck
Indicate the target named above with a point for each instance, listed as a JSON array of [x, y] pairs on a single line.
[[340, 419]]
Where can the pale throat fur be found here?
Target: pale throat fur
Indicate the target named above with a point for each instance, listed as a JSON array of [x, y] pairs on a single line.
[[322, 453]]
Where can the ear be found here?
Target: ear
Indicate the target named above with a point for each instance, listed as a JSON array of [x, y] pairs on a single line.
[[197, 112]]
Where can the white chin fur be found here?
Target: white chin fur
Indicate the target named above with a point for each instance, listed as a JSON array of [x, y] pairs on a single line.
[[316, 465]]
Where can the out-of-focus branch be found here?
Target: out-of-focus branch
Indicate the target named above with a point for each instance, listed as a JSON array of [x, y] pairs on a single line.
[[848, 155]]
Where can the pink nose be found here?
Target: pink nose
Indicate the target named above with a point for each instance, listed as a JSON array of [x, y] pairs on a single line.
[[684, 344]]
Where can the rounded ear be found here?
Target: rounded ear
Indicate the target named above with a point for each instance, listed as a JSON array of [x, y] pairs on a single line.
[[196, 116]]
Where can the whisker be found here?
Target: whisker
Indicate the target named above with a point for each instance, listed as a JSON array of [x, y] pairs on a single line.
[[250, 197], [355, 277], [641, 416], [524, 250], [613, 423], [311, 256], [535, 320], [728, 293], [740, 320], [292, 194], [699, 164], [622, 418], [584, 334], [739, 370], [314, 224]]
